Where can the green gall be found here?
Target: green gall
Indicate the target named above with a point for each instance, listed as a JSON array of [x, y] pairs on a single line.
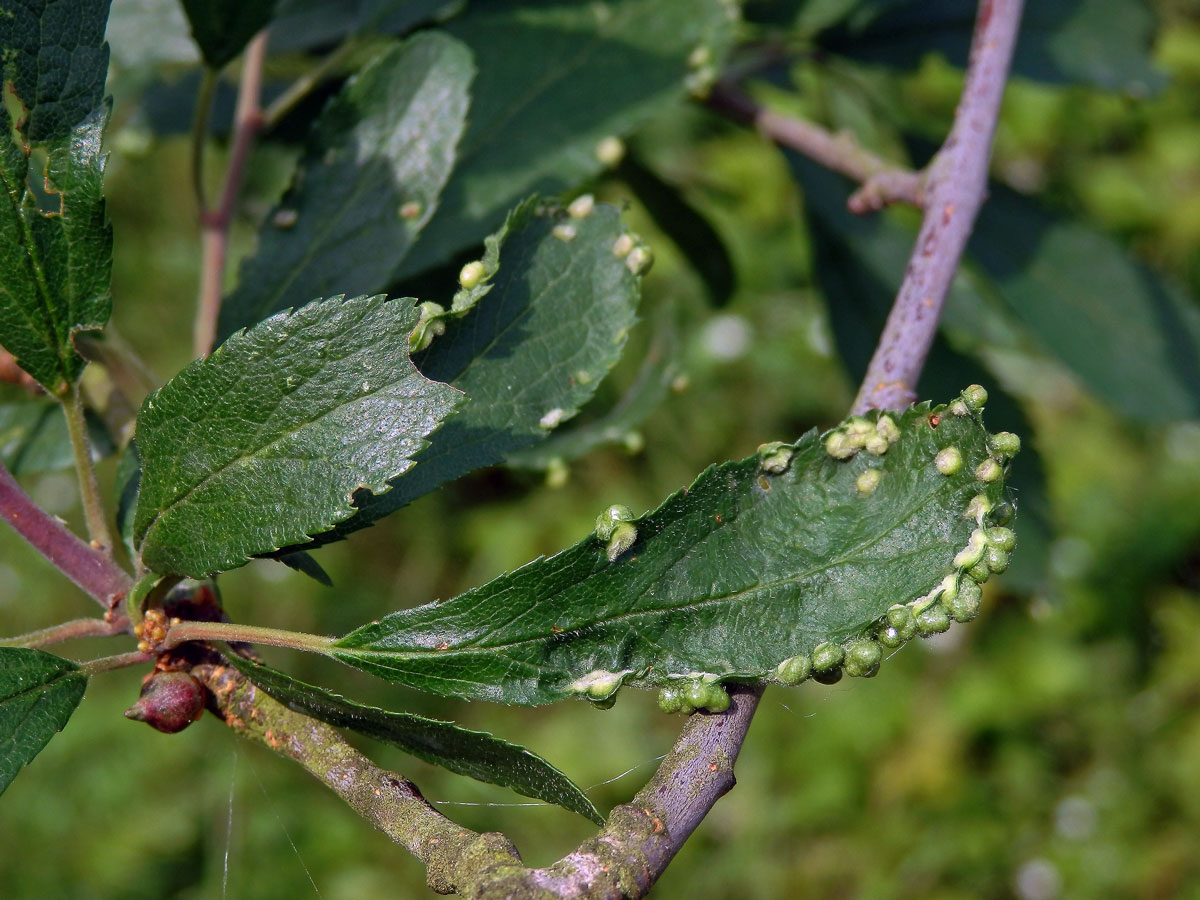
[[623, 537], [995, 559], [610, 151], [794, 670], [718, 699], [622, 246], [832, 676], [1005, 444], [553, 418], [607, 521], [827, 656], [700, 56], [901, 618], [602, 702], [979, 507], [633, 442], [669, 701], [857, 430], [599, 684], [964, 606], [564, 231], [948, 461], [410, 210], [958, 408], [639, 260], [886, 426], [868, 481], [774, 457], [431, 324], [285, 218], [988, 471], [696, 694], [863, 658], [838, 445], [975, 396], [979, 573], [973, 552], [1001, 537], [581, 207], [1003, 513], [471, 274], [890, 637], [557, 472], [877, 444], [934, 620]]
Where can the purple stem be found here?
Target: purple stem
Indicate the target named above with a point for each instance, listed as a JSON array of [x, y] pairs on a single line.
[[91, 569]]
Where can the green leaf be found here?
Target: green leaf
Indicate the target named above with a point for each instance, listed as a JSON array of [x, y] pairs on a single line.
[[38, 693], [300, 24], [264, 442], [368, 183], [1106, 43], [756, 563], [555, 79], [650, 387], [1131, 336], [475, 754], [34, 438], [55, 245], [126, 484], [527, 355], [221, 28]]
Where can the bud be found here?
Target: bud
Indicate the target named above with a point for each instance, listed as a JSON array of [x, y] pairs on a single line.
[[169, 702]]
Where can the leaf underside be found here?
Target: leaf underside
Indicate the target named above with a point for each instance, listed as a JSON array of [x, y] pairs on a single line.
[[38, 693], [727, 579], [264, 442], [475, 754]]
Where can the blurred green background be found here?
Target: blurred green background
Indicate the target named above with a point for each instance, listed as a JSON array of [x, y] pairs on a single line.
[[1050, 749]]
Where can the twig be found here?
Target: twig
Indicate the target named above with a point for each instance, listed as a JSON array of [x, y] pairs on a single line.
[[67, 631], [120, 661], [92, 570], [302, 86], [89, 487], [883, 182], [954, 192], [214, 224], [245, 634]]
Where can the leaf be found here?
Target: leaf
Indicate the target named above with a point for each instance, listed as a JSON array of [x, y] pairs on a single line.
[[145, 33], [555, 79], [222, 28], [55, 245], [751, 566], [1131, 336], [475, 754], [300, 24], [264, 442], [1106, 43], [127, 483], [368, 183], [659, 368], [34, 438], [38, 693], [529, 353]]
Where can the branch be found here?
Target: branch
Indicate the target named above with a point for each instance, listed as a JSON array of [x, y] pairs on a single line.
[[641, 838], [91, 569], [247, 121], [67, 631], [954, 192], [883, 182]]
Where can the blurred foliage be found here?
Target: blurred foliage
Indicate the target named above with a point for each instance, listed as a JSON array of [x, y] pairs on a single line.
[[1047, 750]]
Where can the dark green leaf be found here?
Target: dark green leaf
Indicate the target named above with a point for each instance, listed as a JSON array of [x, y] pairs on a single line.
[[264, 442], [127, 482], [475, 754], [685, 226], [645, 395], [33, 437], [749, 567], [1102, 42], [299, 24], [527, 356], [1130, 336], [221, 28], [368, 184], [555, 79], [38, 693], [55, 245]]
